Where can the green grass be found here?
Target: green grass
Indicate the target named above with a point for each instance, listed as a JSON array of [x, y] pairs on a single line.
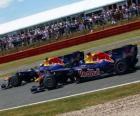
[[75, 103], [88, 45]]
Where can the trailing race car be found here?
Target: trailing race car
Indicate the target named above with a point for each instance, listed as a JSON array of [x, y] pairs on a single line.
[[76, 70]]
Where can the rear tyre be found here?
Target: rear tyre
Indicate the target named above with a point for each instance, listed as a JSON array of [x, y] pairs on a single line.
[[15, 81], [121, 67]]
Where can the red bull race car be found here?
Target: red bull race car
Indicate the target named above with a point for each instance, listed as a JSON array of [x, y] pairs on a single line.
[[76, 69]]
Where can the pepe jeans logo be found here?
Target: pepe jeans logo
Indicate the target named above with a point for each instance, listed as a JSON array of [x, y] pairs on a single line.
[[89, 73]]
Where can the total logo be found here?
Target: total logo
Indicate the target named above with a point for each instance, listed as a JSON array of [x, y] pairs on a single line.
[[89, 73]]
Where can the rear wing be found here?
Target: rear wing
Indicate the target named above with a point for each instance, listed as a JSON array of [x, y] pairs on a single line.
[[124, 52]]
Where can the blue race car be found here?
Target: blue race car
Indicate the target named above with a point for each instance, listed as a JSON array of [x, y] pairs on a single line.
[[76, 70], [124, 60]]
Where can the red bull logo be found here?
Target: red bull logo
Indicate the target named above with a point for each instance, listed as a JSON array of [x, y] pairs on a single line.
[[89, 73]]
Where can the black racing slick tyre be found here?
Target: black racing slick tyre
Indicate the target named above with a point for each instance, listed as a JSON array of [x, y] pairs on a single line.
[[50, 82], [15, 81], [121, 67]]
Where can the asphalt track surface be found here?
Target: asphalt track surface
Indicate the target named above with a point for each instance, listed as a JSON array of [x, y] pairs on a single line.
[[21, 95]]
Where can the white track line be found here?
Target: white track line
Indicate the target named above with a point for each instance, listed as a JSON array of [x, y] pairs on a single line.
[[83, 93]]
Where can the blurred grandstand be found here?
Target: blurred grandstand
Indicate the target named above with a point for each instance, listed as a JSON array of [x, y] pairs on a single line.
[[65, 22]]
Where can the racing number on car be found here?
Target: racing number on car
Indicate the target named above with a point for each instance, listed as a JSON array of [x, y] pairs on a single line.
[[89, 73]]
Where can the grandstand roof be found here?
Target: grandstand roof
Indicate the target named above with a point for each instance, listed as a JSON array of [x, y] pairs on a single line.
[[53, 14]]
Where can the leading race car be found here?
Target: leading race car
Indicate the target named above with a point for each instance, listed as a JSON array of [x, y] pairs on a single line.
[[124, 59], [116, 61]]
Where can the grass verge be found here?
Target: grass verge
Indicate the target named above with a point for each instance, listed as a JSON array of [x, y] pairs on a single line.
[[109, 40], [75, 103]]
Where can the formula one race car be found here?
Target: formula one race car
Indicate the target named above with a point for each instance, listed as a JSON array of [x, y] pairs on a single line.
[[59, 74], [76, 70], [124, 60], [18, 78]]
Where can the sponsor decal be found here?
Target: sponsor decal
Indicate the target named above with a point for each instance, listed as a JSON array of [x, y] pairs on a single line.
[[89, 73]]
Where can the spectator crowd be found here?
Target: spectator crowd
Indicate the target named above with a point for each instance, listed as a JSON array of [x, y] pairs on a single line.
[[66, 27]]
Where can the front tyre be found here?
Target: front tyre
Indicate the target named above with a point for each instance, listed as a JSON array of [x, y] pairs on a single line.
[[50, 82]]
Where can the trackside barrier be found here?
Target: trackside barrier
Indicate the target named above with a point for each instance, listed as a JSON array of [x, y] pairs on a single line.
[[70, 42]]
